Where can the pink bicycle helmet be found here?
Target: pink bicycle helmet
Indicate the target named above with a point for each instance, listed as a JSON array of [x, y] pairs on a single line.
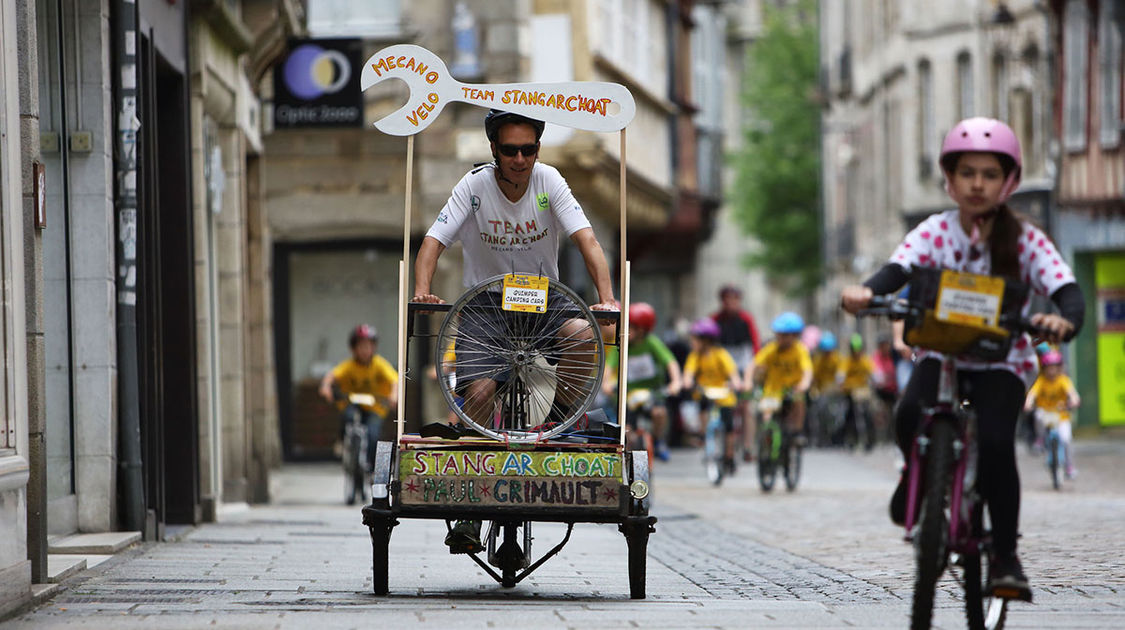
[[1051, 357], [706, 328], [985, 135]]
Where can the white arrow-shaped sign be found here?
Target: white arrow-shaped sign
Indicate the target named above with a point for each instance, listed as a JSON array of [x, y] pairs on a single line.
[[590, 105]]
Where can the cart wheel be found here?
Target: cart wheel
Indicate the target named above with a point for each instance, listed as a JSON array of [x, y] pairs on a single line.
[[511, 558], [508, 577], [638, 566], [380, 554], [636, 532]]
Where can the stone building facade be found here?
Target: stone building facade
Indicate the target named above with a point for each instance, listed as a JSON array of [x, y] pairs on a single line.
[[897, 75]]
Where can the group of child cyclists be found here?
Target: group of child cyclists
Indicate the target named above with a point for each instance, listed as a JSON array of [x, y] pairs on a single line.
[[981, 163]]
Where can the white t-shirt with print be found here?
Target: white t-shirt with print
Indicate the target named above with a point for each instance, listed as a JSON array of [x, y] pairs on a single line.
[[499, 236], [940, 242]]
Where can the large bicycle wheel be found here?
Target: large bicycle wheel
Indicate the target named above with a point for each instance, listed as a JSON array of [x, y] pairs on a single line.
[[931, 547], [520, 376]]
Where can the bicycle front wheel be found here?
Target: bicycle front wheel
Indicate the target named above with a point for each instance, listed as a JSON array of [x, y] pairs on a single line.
[[931, 548], [1053, 458], [792, 464], [767, 463], [713, 451]]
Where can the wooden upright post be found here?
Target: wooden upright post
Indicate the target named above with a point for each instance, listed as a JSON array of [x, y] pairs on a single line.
[[403, 276]]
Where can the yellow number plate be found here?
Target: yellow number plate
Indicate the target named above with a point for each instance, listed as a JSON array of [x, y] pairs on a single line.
[[967, 298], [527, 294]]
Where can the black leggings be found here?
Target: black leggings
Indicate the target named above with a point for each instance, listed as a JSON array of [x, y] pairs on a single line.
[[997, 396]]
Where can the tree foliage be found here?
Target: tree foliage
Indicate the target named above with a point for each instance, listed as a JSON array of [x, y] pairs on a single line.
[[777, 181]]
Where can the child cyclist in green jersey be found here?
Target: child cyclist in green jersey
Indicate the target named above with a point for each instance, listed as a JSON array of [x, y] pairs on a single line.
[[651, 366]]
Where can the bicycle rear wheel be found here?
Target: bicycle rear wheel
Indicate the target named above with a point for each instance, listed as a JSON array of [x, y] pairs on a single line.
[[514, 368], [931, 548], [982, 612]]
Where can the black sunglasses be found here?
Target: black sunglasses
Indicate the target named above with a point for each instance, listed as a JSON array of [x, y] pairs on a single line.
[[528, 150]]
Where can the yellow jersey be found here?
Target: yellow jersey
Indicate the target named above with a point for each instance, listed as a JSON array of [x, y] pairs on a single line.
[[784, 367], [857, 372], [713, 368], [377, 378], [1052, 394], [826, 370]]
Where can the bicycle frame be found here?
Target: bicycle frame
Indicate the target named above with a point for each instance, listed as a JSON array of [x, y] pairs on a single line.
[[962, 538]]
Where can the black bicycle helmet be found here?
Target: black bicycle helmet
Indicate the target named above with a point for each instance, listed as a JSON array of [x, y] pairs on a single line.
[[496, 117]]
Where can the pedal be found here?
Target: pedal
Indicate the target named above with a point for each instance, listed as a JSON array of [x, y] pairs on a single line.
[[1007, 592], [466, 547]]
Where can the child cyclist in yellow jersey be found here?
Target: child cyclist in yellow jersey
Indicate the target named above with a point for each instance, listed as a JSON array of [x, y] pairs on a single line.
[[784, 366], [363, 373], [826, 366], [858, 370], [1054, 393], [710, 366]]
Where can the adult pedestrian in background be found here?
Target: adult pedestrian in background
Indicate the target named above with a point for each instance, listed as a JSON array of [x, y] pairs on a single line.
[[738, 335]]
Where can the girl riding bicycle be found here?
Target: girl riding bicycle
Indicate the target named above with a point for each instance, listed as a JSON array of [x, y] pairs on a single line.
[[710, 365], [1054, 393], [981, 161]]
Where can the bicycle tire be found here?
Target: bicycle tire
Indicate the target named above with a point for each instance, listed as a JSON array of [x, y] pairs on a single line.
[[357, 483], [767, 465], [638, 567], [792, 465], [1053, 458], [974, 591], [489, 342], [380, 559], [713, 448], [509, 569], [353, 470], [931, 540]]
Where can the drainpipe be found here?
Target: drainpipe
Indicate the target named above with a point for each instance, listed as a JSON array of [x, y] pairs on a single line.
[[131, 477]]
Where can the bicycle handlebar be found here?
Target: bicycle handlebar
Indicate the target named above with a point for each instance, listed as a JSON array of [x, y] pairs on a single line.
[[898, 308]]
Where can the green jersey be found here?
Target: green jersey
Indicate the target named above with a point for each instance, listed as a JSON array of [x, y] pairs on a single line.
[[648, 360]]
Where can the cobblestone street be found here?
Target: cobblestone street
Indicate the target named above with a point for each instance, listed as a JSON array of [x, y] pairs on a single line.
[[825, 556]]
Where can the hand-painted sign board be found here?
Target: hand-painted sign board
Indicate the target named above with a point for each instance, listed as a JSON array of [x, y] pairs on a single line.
[[510, 478], [590, 105]]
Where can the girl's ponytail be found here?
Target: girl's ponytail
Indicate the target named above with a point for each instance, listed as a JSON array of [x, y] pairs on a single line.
[[1004, 242]]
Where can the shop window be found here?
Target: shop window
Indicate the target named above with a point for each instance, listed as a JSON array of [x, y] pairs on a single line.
[[999, 86], [624, 37], [1076, 32], [927, 128], [371, 19], [1111, 18], [965, 106]]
